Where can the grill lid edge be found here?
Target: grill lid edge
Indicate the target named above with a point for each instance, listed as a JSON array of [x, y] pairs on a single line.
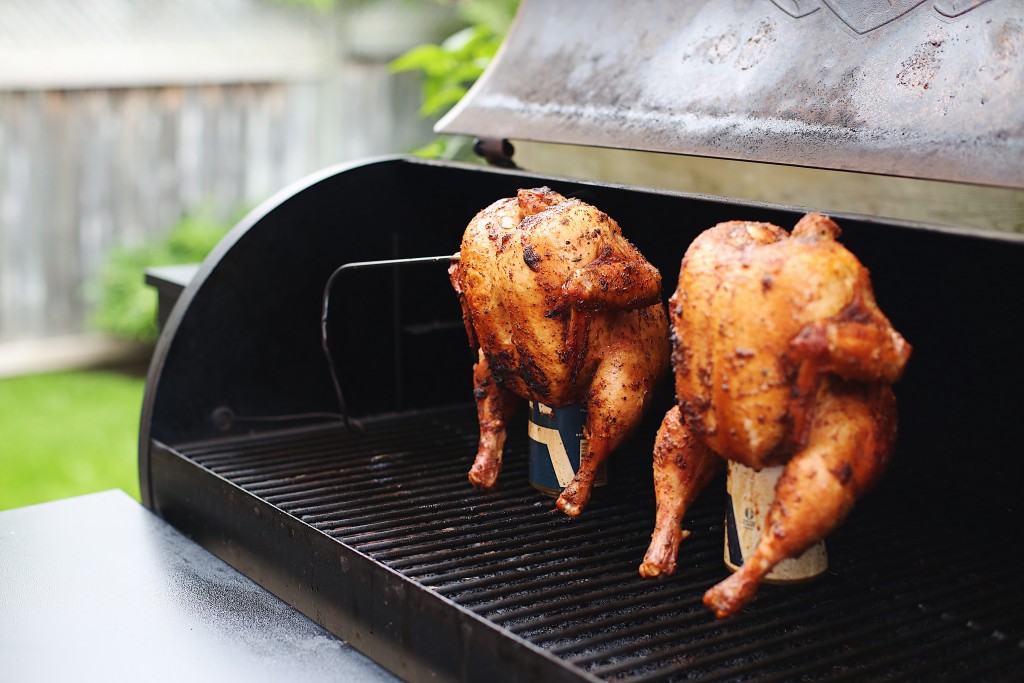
[[921, 89]]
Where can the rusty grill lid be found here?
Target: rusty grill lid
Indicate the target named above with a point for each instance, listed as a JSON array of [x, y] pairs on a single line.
[[929, 89]]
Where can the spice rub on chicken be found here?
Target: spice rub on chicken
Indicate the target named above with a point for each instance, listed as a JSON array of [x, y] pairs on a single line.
[[561, 309], [781, 356]]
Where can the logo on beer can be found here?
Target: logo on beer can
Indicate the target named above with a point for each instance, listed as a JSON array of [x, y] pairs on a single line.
[[557, 445], [750, 495]]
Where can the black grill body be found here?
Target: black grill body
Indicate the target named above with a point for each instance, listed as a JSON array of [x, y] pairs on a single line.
[[376, 533]]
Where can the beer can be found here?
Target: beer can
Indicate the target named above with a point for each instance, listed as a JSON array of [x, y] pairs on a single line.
[[750, 496], [556, 447]]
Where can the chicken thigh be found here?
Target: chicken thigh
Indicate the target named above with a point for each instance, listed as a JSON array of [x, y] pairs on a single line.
[[560, 309], [781, 356]]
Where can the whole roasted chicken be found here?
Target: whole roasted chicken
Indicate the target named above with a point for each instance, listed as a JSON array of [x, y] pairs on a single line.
[[781, 356], [563, 310]]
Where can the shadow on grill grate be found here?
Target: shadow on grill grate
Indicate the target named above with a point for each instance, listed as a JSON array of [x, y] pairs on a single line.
[[918, 596]]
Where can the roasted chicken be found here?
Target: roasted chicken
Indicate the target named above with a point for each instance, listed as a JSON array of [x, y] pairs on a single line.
[[561, 309], [780, 356]]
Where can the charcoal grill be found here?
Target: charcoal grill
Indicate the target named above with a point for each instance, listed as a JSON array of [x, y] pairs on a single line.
[[371, 527]]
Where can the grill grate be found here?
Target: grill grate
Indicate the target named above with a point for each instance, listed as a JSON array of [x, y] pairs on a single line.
[[909, 595]]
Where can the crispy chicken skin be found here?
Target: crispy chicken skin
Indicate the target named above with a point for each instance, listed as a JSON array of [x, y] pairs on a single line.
[[780, 356], [560, 309]]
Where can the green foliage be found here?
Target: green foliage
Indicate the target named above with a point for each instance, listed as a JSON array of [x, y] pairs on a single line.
[[451, 68], [448, 69], [497, 15], [125, 304], [67, 434], [324, 6]]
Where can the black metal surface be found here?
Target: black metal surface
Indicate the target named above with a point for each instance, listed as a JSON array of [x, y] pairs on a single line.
[[912, 592], [97, 588], [906, 87]]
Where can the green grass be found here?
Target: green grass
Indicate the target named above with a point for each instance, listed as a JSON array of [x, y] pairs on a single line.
[[68, 433]]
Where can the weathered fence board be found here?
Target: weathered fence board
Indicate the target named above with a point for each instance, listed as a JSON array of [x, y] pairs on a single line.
[[82, 170]]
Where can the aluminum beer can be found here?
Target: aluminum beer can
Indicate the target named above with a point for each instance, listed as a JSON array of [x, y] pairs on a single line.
[[751, 493], [556, 447]]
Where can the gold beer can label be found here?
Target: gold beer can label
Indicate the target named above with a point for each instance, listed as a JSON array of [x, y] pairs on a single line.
[[751, 493]]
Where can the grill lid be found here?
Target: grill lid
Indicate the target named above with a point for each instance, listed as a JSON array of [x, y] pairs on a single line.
[[926, 89]]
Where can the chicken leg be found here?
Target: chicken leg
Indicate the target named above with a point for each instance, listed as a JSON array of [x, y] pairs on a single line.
[[683, 466], [494, 406], [848, 447], [620, 392]]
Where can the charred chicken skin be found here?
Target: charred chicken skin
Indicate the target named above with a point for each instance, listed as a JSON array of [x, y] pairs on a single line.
[[560, 309], [780, 356]]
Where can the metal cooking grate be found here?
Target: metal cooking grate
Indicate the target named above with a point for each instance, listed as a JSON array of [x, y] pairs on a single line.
[[912, 592]]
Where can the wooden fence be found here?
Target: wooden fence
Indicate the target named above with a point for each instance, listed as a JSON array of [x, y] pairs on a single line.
[[82, 170]]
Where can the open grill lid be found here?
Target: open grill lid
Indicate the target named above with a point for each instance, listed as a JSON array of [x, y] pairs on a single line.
[[918, 88]]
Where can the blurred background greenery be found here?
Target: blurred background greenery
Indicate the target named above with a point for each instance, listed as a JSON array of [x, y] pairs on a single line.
[[68, 433], [74, 432]]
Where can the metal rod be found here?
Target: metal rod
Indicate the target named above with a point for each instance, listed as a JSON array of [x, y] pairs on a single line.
[[355, 265], [358, 265], [396, 324]]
